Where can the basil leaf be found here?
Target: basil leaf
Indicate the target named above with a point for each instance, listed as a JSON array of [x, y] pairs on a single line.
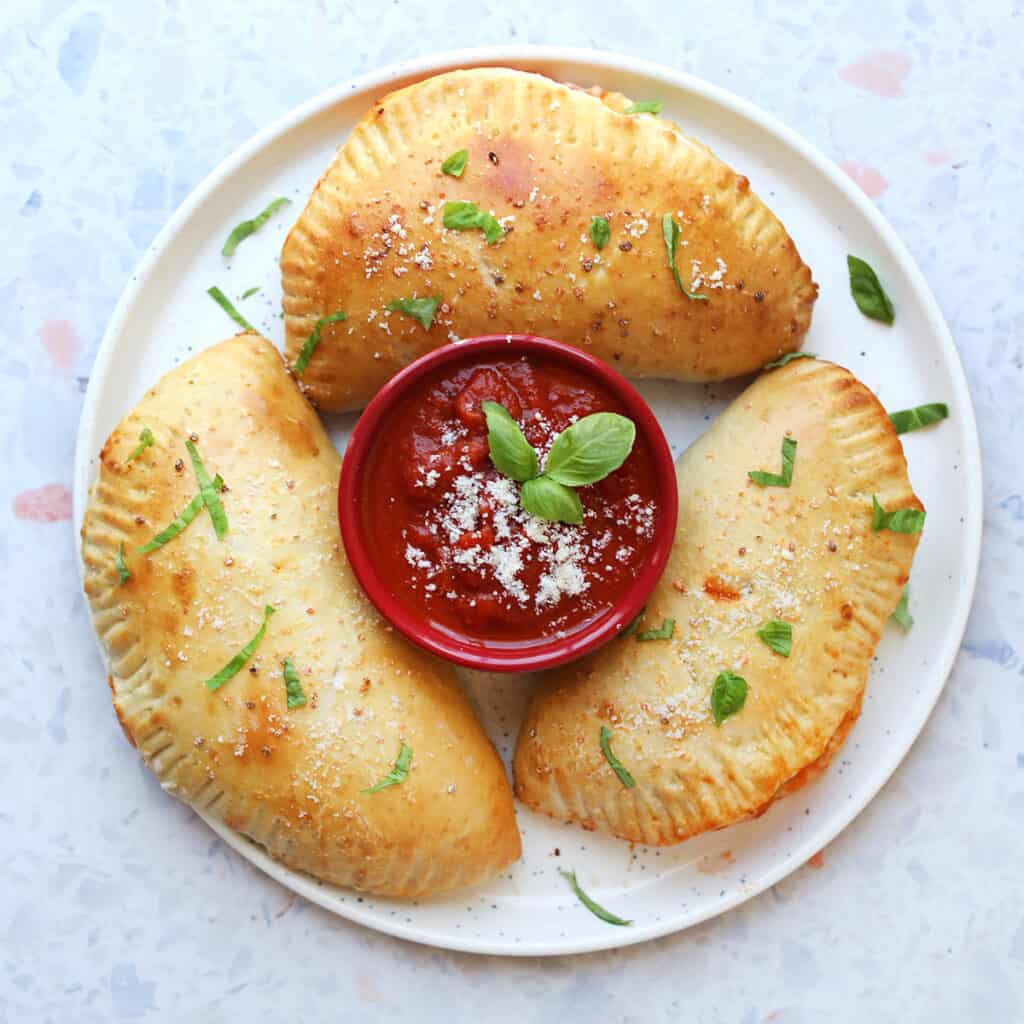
[[191, 510], [663, 632], [419, 309], [590, 449], [145, 440], [778, 636], [511, 453], [670, 232], [606, 747], [548, 499], [920, 416], [123, 573], [460, 215], [294, 693], [251, 291], [783, 479], [595, 908], [631, 628], [868, 293], [250, 227], [398, 774], [901, 614], [314, 339], [901, 520], [644, 107], [225, 303], [209, 493], [787, 359], [456, 163], [600, 232], [237, 663], [728, 695]]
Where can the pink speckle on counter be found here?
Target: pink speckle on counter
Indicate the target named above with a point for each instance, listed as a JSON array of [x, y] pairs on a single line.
[[61, 341], [870, 179], [48, 504], [880, 71], [938, 157]]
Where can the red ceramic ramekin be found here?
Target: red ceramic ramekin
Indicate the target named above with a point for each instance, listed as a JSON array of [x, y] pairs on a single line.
[[469, 651]]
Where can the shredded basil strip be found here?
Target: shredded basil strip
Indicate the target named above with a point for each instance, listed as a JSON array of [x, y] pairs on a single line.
[[209, 493], [920, 416], [900, 520], [670, 232], [314, 339], [632, 627], [783, 479], [225, 303], [867, 291], [600, 232], [237, 663], [145, 440], [250, 227], [778, 636], [293, 686], [787, 359], [461, 215], [728, 695], [606, 747], [251, 291], [422, 310], [644, 107], [595, 908], [187, 514], [663, 632], [123, 573], [398, 774], [901, 613], [456, 163]]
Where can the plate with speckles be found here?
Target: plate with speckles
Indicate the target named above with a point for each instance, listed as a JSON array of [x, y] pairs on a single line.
[[529, 910]]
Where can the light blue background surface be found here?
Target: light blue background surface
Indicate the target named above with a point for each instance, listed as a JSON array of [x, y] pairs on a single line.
[[117, 903]]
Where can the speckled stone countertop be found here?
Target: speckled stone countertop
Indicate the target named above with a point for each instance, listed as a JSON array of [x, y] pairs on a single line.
[[118, 903]]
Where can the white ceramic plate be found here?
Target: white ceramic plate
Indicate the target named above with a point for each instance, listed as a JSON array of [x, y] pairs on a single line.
[[165, 314]]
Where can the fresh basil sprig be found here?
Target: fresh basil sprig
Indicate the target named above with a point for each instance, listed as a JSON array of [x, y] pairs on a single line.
[[778, 636], [728, 695], [901, 613], [670, 232], [398, 774], [145, 440], [783, 479], [595, 908], [461, 215], [785, 360], [900, 520], [422, 310], [250, 227], [644, 107], [225, 303], [582, 454], [920, 416], [867, 291], [600, 232], [295, 696], [237, 663], [456, 163], [616, 765], [664, 632], [309, 347]]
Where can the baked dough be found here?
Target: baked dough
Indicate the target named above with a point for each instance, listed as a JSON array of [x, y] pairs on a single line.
[[290, 779], [743, 555], [544, 158]]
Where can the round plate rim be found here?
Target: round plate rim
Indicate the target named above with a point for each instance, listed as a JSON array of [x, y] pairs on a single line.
[[524, 55]]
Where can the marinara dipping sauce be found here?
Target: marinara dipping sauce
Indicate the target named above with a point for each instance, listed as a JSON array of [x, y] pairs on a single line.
[[447, 531]]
